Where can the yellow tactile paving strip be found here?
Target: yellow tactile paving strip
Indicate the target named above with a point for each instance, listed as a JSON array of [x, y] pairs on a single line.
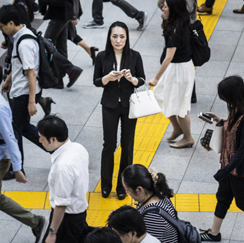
[[149, 133]]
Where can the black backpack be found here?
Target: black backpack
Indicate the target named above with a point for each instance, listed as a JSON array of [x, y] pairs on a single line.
[[199, 44], [48, 70], [186, 232]]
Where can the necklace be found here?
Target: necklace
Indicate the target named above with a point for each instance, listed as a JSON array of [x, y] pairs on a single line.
[[145, 201]]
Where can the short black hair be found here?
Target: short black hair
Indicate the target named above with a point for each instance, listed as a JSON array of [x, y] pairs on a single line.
[[103, 235], [53, 126], [127, 219], [9, 13]]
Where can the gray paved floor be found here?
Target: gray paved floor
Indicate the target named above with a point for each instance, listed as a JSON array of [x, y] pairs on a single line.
[[187, 170]]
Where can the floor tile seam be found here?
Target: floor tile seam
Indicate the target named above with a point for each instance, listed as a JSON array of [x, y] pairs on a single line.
[[88, 118]]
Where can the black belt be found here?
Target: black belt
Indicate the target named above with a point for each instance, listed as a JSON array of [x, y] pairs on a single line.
[[2, 141]]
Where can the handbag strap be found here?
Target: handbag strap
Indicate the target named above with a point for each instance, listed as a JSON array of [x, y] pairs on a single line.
[[145, 83], [162, 213]]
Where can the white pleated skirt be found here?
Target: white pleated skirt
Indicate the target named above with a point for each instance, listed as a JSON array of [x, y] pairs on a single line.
[[174, 89]]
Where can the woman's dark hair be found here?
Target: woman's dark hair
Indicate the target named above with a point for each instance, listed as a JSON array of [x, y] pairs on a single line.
[[127, 219], [179, 17], [103, 235], [109, 51], [27, 4], [231, 90], [138, 175], [53, 126]]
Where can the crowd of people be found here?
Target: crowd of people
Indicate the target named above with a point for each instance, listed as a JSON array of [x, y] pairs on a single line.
[[118, 70]]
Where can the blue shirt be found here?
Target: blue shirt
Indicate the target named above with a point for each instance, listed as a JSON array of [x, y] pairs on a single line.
[[10, 149]]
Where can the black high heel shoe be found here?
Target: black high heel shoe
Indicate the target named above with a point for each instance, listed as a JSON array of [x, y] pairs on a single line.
[[47, 105], [93, 50]]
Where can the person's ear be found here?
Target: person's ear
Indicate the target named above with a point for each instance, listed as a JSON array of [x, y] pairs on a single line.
[[139, 190]]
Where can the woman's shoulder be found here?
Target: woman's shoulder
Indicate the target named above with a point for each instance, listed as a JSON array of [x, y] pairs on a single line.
[[101, 54]]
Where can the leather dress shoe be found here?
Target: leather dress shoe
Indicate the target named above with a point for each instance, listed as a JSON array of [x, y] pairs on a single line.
[[121, 196], [239, 11], [204, 9], [105, 193]]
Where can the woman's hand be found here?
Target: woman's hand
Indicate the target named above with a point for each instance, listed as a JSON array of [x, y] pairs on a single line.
[[212, 115], [153, 82], [129, 77], [112, 76]]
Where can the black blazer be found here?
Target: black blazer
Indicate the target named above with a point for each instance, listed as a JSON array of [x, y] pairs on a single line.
[[115, 90], [57, 9]]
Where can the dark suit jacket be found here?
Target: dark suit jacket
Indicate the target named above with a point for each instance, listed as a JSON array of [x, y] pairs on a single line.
[[115, 90], [58, 9]]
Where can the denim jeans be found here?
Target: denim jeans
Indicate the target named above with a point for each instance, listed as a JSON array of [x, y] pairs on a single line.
[[129, 10], [21, 122]]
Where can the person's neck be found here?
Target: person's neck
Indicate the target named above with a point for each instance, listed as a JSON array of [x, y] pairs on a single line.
[[147, 198], [18, 28], [141, 238]]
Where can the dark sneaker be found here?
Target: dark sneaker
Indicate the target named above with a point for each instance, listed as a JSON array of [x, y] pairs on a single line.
[[74, 75], [35, 7], [93, 25], [207, 236], [142, 21], [9, 176], [40, 230]]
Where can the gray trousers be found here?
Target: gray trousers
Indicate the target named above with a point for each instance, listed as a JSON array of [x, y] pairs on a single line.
[[12, 208]]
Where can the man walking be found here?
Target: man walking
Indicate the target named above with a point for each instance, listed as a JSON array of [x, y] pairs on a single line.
[[129, 10], [22, 81], [68, 182], [9, 151]]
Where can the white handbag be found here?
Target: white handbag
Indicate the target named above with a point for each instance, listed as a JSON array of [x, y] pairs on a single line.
[[143, 103], [217, 139]]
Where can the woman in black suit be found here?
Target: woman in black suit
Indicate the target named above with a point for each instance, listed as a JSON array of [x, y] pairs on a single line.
[[118, 70]]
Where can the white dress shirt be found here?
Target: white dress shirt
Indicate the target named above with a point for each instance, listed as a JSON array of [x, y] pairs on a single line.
[[29, 55], [69, 178]]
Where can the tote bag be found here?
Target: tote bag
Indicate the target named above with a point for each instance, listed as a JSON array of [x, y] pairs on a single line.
[[143, 103]]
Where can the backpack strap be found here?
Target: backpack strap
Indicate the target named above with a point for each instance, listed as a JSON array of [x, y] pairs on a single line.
[[27, 36], [163, 214]]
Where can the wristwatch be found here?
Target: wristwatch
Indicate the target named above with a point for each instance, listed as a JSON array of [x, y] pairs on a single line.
[[52, 231]]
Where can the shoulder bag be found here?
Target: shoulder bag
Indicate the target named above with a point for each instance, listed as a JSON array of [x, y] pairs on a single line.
[[199, 44], [187, 233], [143, 103]]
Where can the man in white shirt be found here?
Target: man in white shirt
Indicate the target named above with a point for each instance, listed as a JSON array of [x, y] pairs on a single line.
[[68, 182], [22, 81], [128, 223]]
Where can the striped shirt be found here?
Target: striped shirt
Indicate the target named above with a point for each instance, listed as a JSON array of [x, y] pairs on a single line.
[[156, 225]]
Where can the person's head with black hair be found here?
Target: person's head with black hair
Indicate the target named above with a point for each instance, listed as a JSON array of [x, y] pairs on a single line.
[[141, 183], [10, 21], [103, 235], [177, 16], [118, 41], [231, 90], [53, 132], [128, 223]]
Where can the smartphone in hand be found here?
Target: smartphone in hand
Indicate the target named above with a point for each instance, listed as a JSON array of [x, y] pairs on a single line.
[[205, 117]]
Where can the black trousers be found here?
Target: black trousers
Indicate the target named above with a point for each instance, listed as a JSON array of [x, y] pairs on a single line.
[[230, 187], [129, 10], [21, 122], [209, 3], [73, 228], [111, 118], [57, 31]]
